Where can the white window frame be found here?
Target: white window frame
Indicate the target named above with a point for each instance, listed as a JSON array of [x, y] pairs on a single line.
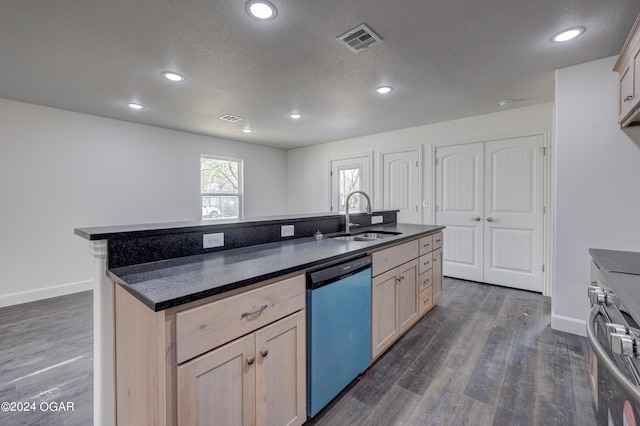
[[362, 161], [239, 194]]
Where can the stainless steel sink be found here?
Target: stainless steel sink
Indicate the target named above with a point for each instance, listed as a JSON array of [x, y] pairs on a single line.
[[367, 236]]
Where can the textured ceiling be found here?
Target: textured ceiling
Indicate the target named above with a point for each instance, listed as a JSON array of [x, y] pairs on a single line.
[[446, 59]]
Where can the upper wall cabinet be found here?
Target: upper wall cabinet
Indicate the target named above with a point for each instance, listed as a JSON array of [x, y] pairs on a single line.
[[628, 67]]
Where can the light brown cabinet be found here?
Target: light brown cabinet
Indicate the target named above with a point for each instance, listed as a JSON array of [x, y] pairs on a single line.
[[236, 360], [437, 275], [430, 278], [253, 380], [406, 280], [628, 69], [394, 305]]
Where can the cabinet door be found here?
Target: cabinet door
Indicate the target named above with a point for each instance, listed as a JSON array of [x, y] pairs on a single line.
[[407, 289], [218, 388], [626, 91], [384, 326], [437, 275], [636, 79], [281, 372]]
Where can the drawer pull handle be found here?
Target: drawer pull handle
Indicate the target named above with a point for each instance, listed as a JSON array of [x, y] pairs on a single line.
[[437, 241], [256, 312], [264, 352], [628, 98], [251, 359]]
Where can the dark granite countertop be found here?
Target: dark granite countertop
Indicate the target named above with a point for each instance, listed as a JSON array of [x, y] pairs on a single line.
[[626, 262], [154, 229], [165, 284]]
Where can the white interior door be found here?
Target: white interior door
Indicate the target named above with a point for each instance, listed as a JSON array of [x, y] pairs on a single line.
[[347, 175], [401, 183], [459, 206], [490, 197], [513, 222]]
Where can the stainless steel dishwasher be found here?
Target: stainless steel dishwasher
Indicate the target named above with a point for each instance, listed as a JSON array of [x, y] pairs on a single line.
[[338, 329]]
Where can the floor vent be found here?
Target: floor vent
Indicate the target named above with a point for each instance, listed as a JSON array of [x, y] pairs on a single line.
[[231, 118], [360, 38]]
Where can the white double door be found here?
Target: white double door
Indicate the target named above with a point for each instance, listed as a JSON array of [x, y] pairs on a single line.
[[490, 197]]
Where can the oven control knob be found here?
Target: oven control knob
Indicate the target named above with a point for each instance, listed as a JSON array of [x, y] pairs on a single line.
[[622, 344], [598, 297], [614, 328]]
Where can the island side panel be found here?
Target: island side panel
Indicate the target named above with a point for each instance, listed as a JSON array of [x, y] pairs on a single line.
[[140, 362]]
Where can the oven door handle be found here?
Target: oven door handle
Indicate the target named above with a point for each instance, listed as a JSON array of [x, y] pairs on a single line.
[[632, 391]]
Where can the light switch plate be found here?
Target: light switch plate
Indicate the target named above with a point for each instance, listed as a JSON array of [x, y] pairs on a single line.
[[286, 231], [376, 219], [213, 240]]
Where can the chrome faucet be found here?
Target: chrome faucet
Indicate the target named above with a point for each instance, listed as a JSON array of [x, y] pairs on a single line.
[[347, 223]]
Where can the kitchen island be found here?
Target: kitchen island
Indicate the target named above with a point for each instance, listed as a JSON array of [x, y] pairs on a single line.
[[175, 318]]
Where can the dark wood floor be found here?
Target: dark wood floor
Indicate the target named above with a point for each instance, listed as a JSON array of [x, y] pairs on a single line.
[[485, 356], [46, 358]]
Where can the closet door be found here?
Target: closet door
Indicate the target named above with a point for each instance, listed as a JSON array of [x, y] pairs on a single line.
[[513, 219], [459, 206], [489, 195]]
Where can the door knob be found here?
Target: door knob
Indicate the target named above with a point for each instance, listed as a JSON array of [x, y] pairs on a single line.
[[477, 218], [489, 219]]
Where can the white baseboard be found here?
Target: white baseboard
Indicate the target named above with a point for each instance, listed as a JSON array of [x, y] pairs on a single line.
[[44, 293], [569, 325]]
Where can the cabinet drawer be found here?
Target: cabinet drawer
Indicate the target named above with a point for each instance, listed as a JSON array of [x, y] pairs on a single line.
[[437, 240], [425, 280], [205, 327], [426, 261], [426, 300], [390, 258], [426, 244]]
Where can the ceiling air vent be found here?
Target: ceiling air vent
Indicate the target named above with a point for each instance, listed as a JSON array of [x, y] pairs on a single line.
[[360, 38], [231, 118]]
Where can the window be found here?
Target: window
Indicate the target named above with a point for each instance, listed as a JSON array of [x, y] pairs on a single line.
[[221, 187], [349, 181]]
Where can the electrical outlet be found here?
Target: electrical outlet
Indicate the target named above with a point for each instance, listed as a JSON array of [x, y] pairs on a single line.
[[376, 219], [286, 231], [213, 240]]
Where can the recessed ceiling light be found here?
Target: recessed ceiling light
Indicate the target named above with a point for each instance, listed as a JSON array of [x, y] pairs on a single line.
[[247, 130], [383, 90], [261, 9], [172, 76], [134, 105], [295, 115], [567, 34]]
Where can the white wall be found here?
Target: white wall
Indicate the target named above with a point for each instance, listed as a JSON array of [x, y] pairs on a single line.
[[309, 191], [60, 170], [597, 179]]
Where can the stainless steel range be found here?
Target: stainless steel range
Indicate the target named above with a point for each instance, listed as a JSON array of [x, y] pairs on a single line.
[[614, 336]]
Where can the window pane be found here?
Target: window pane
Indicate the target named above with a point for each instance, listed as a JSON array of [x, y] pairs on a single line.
[[348, 181], [219, 207], [218, 175]]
